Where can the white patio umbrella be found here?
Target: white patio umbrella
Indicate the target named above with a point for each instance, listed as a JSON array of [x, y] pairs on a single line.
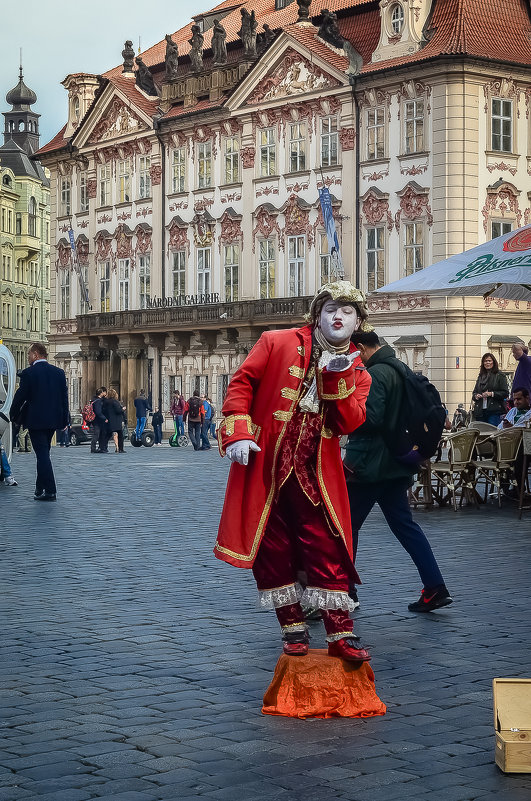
[[500, 267]]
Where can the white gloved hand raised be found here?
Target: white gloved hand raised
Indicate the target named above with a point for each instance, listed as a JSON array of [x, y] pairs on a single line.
[[239, 451], [343, 362]]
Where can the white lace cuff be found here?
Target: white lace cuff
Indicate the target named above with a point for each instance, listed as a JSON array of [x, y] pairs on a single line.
[[280, 596], [327, 599]]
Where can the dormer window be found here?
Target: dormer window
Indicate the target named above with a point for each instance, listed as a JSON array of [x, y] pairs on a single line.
[[397, 19], [75, 108], [282, 4]]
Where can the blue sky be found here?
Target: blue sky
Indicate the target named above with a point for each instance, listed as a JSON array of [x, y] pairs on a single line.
[[58, 38]]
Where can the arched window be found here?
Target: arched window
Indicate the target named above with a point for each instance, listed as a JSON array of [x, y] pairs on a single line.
[[6, 180], [32, 217], [397, 18], [75, 108], [11, 126], [21, 125]]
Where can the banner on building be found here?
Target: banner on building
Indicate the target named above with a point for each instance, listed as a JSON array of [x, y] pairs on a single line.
[[82, 285], [336, 263]]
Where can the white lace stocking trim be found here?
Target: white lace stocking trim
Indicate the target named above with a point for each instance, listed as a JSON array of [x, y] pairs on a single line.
[[327, 599], [280, 596]]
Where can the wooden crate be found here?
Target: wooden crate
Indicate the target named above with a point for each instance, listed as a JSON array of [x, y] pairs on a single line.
[[512, 722]]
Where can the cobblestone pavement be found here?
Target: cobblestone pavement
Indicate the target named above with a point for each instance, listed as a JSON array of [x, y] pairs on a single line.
[[133, 663]]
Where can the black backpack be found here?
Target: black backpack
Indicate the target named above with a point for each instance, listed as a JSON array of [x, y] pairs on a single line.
[[194, 404], [420, 419]]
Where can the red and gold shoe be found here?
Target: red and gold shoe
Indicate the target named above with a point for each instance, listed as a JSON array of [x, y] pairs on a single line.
[[295, 648], [349, 649]]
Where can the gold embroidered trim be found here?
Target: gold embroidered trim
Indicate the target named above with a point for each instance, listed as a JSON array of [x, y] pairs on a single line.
[[280, 414], [296, 372], [342, 391], [288, 392], [327, 433], [301, 626], [229, 421], [328, 503], [301, 351]]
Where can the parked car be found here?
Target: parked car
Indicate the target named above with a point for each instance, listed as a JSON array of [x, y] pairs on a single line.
[[79, 430]]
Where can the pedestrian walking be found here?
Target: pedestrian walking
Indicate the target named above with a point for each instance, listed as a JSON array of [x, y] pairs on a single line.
[[375, 476], [157, 421], [490, 392], [62, 435], [205, 425], [178, 405], [41, 403], [193, 412], [98, 425], [115, 414], [212, 431], [522, 374], [142, 407]]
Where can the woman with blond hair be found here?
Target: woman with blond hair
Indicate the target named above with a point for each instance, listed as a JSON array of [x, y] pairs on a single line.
[[115, 414]]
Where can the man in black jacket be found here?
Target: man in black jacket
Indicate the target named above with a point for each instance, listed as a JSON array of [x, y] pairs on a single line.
[[100, 435], [41, 404]]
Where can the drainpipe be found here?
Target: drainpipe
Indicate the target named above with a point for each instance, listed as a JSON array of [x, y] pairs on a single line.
[[156, 128], [352, 80]]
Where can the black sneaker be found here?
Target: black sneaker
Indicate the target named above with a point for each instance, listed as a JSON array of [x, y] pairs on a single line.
[[432, 599]]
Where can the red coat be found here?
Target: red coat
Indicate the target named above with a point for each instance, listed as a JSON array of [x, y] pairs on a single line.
[[260, 401]]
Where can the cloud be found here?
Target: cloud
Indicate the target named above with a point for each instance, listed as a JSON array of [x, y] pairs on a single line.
[[57, 38]]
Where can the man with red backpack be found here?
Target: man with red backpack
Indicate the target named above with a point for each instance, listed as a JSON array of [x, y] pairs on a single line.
[[195, 413]]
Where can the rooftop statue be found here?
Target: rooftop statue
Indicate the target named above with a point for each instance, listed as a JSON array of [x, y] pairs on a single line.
[[219, 45], [128, 55], [247, 32], [172, 58], [196, 53], [329, 30], [144, 78]]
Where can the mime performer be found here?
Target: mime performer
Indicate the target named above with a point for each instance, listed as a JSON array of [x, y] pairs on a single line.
[[286, 506]]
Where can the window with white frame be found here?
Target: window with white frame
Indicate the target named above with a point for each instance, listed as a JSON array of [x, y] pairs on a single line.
[[268, 152], [413, 247], [10, 221], [375, 133], [500, 227], [397, 19], [329, 141], [83, 192], [124, 266], [124, 181], [64, 293], [6, 314], [325, 261], [144, 177], [20, 316], [34, 317], [231, 262], [32, 217], [179, 273], [204, 262], [266, 263], [414, 126], [178, 168], [6, 268], [502, 125], [105, 286], [204, 165], [83, 289], [296, 264], [232, 160], [144, 268], [105, 185], [375, 258], [297, 147], [66, 196]]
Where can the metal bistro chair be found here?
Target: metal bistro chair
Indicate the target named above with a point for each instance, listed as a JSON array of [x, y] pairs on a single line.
[[456, 473], [500, 468], [526, 461]]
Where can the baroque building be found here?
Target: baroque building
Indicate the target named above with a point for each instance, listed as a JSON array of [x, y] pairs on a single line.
[[188, 180], [24, 229]]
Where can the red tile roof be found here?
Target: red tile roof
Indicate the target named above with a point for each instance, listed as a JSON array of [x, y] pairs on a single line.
[[55, 144], [495, 29]]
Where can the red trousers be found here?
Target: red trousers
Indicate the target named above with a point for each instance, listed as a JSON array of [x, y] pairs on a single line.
[[298, 538]]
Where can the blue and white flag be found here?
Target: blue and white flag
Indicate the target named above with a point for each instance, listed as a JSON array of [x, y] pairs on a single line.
[[82, 286], [336, 264]]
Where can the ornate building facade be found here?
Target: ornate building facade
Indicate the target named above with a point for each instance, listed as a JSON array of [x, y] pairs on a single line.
[[188, 180], [24, 229]]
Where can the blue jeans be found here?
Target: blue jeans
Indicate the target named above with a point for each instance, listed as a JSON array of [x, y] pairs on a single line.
[[140, 426], [489, 417], [6, 467], [204, 434], [180, 424], [157, 430], [194, 432], [391, 497]]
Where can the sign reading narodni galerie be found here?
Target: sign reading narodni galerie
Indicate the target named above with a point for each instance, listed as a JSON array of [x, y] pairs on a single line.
[[184, 300]]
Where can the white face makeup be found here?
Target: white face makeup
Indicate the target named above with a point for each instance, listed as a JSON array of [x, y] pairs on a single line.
[[338, 321]]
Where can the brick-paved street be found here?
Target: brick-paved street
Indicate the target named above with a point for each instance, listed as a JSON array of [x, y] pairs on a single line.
[[133, 663]]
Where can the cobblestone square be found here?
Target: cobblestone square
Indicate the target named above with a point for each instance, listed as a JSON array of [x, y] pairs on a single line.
[[133, 663]]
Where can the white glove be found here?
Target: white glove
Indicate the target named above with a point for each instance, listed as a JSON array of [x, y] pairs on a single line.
[[239, 451], [343, 362]]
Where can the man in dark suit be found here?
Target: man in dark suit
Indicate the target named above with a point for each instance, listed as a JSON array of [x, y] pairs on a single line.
[[41, 403]]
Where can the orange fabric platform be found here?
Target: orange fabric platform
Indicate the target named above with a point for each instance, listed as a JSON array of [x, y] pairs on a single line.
[[321, 686]]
